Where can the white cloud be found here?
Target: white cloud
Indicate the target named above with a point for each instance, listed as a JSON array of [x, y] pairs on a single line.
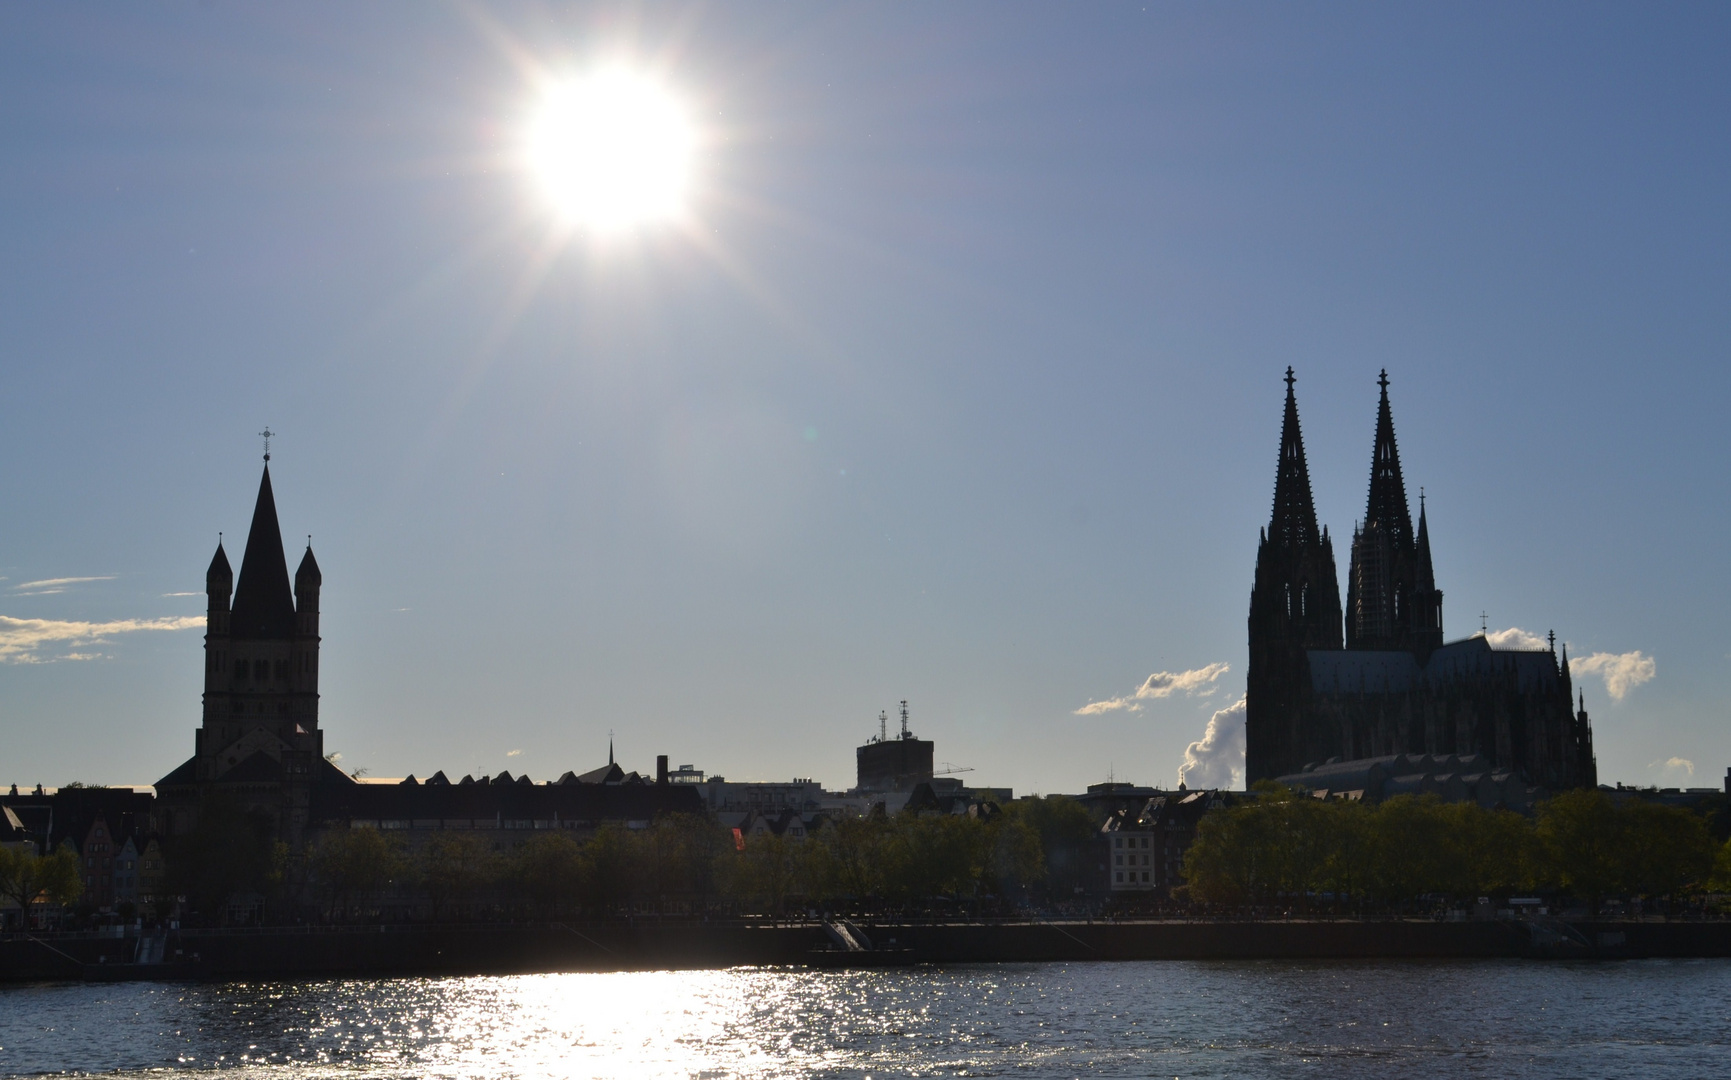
[[1217, 759], [25, 641], [512, 753], [1161, 684], [1674, 771], [183, 594], [50, 586], [1622, 672], [1514, 639]]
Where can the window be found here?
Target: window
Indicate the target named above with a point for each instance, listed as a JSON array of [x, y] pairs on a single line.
[[1118, 860], [1120, 877], [1144, 877], [1117, 841]]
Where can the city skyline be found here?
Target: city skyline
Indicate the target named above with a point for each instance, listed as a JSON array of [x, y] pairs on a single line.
[[962, 384]]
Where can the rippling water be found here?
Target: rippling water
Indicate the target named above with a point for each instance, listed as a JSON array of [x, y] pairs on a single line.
[[1504, 1019]]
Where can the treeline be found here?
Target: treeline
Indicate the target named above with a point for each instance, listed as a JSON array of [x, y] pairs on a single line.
[[1278, 846], [27, 878], [1030, 851]]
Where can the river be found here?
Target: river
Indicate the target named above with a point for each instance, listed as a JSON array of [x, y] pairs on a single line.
[[1651, 1018]]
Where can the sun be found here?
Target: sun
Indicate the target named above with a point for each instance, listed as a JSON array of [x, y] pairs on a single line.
[[612, 150]]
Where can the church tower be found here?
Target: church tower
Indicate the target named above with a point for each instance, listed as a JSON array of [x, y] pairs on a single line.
[[259, 739], [1294, 606], [1391, 597]]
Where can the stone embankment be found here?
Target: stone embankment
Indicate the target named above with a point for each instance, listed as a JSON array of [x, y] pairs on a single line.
[[488, 949]]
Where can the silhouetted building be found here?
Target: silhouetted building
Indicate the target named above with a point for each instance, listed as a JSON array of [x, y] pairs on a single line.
[[259, 741], [259, 749], [1392, 687], [886, 764], [1449, 777]]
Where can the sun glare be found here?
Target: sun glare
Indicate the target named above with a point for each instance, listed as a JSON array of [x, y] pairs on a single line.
[[612, 150]]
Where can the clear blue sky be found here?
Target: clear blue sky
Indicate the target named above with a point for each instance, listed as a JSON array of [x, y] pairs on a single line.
[[962, 385]]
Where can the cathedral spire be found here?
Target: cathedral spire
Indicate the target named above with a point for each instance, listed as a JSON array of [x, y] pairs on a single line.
[[1387, 507], [1426, 575], [1294, 521], [263, 602]]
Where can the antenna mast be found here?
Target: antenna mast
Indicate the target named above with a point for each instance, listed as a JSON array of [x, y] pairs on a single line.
[[905, 734]]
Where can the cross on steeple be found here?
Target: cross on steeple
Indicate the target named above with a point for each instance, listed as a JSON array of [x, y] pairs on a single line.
[[1290, 378], [267, 433], [1484, 624]]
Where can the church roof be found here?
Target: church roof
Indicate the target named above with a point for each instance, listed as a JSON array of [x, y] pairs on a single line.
[[1386, 508], [1375, 671], [1294, 520], [257, 768], [185, 773], [606, 774], [263, 603]]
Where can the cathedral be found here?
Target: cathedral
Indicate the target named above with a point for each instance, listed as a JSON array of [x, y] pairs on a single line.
[[1377, 679]]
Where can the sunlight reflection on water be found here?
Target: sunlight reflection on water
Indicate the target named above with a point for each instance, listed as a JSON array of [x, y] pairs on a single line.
[[1657, 1018]]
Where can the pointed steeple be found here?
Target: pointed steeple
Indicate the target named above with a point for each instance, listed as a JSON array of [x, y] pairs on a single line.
[[1426, 576], [263, 604], [1294, 607], [1387, 508], [1294, 521], [219, 569], [308, 573]]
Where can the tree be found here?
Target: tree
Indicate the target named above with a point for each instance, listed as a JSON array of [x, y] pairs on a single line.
[[27, 878], [768, 871], [610, 863], [454, 867], [353, 867], [1415, 850], [679, 856], [548, 868], [1666, 849], [931, 855], [1066, 834], [227, 852], [1721, 880], [1015, 857], [852, 852]]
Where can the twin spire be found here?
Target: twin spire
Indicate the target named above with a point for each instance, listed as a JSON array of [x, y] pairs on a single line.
[[1294, 521], [1387, 506], [1392, 599]]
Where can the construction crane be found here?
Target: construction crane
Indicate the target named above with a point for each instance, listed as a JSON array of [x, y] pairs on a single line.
[[950, 769]]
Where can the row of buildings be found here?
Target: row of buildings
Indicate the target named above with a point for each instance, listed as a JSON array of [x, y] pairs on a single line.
[[1362, 701]]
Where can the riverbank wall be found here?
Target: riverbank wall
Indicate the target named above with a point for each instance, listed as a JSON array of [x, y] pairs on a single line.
[[416, 950]]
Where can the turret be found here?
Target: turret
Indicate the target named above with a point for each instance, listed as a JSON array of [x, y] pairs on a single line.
[[218, 587], [307, 582]]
